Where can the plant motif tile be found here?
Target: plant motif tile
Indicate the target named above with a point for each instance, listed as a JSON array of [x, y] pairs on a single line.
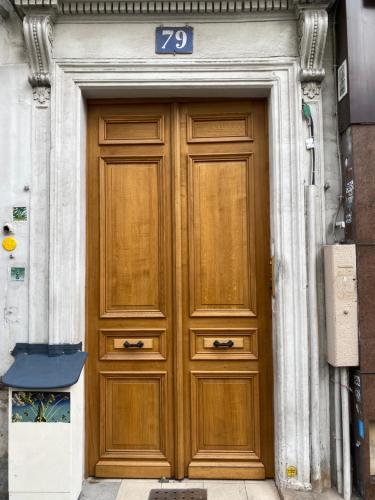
[[40, 406], [19, 214]]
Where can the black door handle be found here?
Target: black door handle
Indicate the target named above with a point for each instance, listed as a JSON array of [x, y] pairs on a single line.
[[138, 345], [217, 343]]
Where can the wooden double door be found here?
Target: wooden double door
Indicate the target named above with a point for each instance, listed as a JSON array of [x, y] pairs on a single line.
[[179, 375]]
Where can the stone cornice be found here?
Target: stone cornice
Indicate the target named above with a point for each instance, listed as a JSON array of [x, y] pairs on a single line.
[[127, 7]]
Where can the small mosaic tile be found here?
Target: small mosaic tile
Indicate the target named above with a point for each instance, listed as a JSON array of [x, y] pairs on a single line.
[[19, 214], [17, 274]]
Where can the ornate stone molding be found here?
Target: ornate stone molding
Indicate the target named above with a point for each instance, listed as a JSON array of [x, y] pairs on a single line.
[[141, 7], [38, 37], [42, 95], [311, 90], [313, 26]]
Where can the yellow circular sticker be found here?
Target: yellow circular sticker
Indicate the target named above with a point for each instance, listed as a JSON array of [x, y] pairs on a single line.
[[9, 244], [291, 471]]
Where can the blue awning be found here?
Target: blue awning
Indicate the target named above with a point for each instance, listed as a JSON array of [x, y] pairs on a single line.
[[42, 366]]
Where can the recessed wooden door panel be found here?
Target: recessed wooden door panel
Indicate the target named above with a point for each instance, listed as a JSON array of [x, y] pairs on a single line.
[[131, 129], [132, 232], [225, 127], [131, 345], [133, 413], [221, 238], [224, 343], [225, 415], [179, 375]]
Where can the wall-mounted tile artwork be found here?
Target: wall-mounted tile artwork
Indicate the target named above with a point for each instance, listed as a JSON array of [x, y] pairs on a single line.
[[19, 214], [40, 406], [17, 274]]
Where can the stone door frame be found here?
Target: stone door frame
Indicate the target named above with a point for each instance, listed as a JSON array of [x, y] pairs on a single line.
[[76, 80]]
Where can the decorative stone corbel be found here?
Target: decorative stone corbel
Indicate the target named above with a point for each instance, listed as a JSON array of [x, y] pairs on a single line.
[[313, 26], [37, 29], [38, 37], [38, 32]]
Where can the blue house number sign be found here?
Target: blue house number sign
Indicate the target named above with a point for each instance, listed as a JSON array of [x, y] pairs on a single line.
[[174, 40]]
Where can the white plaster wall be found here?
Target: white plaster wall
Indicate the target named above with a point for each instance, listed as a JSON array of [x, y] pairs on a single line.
[[15, 144]]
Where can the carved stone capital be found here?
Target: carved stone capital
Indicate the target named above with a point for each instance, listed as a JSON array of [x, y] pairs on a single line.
[[313, 26], [311, 90], [41, 96], [38, 33]]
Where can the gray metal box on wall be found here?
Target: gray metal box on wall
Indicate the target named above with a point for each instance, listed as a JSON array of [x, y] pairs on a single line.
[[341, 305]]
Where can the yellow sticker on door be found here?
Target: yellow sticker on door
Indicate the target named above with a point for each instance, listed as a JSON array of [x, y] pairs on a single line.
[[9, 244]]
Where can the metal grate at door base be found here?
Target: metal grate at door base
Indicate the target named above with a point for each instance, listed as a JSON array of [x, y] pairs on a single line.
[[171, 494]]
